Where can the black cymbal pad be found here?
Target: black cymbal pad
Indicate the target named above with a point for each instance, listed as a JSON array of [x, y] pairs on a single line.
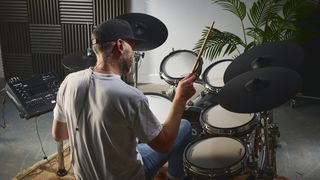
[[259, 90], [79, 61], [286, 53], [148, 30]]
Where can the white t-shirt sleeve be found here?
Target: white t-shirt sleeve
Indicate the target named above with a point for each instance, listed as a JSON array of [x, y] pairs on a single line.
[[58, 111], [146, 124]]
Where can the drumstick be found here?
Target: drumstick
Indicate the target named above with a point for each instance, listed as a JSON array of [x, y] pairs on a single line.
[[196, 63]]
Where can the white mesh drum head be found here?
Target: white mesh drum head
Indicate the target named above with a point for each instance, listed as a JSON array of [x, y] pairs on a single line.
[[215, 153], [214, 75], [178, 64], [159, 105], [219, 117]]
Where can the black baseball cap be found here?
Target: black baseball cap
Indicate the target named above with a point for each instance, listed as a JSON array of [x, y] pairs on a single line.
[[112, 30]]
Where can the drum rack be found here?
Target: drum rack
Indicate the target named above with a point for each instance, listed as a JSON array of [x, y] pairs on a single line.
[[271, 134]]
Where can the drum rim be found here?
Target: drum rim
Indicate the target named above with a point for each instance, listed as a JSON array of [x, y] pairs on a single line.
[[236, 127], [207, 70], [208, 137], [172, 80]]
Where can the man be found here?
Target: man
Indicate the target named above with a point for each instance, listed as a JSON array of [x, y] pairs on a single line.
[[103, 116]]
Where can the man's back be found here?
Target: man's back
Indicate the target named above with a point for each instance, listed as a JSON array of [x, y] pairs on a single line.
[[105, 139]]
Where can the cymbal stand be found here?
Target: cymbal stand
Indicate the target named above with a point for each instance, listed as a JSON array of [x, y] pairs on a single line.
[[137, 56], [271, 134]]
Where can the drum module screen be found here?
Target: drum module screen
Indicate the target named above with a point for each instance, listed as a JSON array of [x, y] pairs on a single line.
[[34, 96]]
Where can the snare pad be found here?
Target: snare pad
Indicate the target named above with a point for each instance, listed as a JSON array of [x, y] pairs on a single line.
[[215, 156]]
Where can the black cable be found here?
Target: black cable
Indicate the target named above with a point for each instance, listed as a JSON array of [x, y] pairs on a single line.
[[44, 153]]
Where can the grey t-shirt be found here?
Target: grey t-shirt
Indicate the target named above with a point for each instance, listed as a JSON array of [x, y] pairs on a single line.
[[111, 115]]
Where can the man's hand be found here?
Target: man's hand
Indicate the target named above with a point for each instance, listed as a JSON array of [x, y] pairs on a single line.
[[185, 89]]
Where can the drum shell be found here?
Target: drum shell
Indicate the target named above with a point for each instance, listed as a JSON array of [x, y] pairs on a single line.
[[219, 173], [235, 131]]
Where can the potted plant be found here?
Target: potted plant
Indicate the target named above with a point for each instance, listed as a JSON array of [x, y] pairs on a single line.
[[270, 20]]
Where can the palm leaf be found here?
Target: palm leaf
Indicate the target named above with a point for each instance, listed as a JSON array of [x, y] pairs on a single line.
[[218, 43], [290, 8], [271, 33], [267, 25], [281, 28], [261, 11], [236, 7], [288, 35], [250, 45], [256, 34]]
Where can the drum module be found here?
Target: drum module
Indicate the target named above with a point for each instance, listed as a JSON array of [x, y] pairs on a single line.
[[34, 96]]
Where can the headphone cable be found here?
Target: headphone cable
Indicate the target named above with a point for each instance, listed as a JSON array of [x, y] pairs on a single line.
[[37, 130], [4, 125]]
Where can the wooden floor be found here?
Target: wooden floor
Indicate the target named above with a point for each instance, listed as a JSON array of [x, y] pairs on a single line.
[[47, 169]]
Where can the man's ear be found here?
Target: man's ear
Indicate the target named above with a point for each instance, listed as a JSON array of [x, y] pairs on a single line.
[[119, 45]]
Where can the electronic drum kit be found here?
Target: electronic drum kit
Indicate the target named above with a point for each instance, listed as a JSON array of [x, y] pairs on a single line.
[[237, 138]]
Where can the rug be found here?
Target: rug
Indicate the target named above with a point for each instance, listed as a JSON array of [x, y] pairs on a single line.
[[47, 169]]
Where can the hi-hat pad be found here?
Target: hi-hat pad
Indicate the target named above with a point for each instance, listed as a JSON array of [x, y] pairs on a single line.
[[259, 90], [149, 31], [279, 53], [79, 61]]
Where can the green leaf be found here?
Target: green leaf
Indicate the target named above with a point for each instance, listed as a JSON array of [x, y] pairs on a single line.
[[236, 7], [271, 20], [250, 45], [256, 34], [218, 43], [261, 11], [290, 8]]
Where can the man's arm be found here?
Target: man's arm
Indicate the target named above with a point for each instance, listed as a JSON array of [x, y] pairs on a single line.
[[59, 130], [167, 136]]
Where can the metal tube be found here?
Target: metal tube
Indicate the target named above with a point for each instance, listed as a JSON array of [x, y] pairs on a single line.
[[61, 169], [136, 72]]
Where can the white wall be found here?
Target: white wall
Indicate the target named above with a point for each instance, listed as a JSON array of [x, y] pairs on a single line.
[[185, 20]]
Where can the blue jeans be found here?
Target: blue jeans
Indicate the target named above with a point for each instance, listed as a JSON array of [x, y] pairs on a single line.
[[153, 161]]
